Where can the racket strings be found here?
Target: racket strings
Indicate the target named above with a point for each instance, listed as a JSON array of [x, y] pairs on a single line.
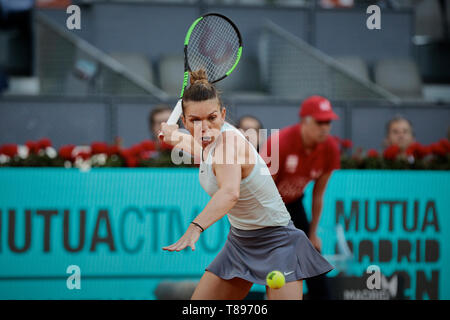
[[213, 46]]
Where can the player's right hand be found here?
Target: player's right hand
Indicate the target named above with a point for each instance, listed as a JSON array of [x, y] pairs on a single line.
[[189, 239], [168, 133]]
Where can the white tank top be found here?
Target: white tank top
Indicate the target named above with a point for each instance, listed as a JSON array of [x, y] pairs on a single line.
[[259, 204]]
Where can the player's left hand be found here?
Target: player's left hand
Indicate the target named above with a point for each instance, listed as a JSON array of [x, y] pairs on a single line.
[[189, 239], [316, 242]]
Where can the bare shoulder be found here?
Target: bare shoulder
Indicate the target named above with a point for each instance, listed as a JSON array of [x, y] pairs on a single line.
[[231, 145]]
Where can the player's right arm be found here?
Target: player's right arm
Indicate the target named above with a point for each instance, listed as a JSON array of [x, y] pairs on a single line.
[[228, 178], [181, 140]]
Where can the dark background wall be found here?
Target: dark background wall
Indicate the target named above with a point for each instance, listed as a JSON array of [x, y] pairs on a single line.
[[82, 121], [157, 29]]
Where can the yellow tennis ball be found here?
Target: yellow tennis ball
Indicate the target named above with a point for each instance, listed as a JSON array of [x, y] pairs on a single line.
[[275, 279]]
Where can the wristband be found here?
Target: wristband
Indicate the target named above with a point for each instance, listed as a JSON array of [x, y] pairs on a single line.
[[195, 223]]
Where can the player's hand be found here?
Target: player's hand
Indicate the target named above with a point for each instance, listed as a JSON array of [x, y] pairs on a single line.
[[189, 239], [316, 242], [168, 133]]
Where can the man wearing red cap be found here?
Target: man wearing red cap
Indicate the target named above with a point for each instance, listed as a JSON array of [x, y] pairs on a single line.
[[306, 152]]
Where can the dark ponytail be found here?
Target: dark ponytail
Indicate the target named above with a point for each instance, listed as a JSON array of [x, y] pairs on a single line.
[[200, 89]]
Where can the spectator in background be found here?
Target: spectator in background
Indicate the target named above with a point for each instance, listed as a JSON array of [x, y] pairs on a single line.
[[399, 132], [251, 123], [158, 115], [306, 152]]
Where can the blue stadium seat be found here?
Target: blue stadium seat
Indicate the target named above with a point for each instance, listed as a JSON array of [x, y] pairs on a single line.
[[171, 68], [137, 63], [400, 76], [355, 65]]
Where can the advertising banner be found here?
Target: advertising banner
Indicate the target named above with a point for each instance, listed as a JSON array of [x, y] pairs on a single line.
[[68, 234]]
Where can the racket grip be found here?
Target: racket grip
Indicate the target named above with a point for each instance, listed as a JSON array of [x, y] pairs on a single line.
[[174, 116]]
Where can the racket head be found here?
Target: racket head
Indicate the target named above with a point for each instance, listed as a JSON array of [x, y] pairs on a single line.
[[213, 43]]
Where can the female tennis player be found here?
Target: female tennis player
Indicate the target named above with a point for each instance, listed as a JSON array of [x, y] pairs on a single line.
[[262, 237]]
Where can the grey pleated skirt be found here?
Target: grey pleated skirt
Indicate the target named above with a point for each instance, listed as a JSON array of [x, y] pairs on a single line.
[[252, 254]]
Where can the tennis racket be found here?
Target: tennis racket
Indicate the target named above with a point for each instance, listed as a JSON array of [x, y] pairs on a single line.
[[213, 43]]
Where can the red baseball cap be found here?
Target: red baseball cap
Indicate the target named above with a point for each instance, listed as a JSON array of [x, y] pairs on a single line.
[[319, 108]]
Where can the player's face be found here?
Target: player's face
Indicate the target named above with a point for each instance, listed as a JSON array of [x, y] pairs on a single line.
[[203, 120], [400, 134], [318, 131]]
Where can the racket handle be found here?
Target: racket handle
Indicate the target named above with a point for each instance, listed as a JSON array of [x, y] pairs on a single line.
[[174, 116]]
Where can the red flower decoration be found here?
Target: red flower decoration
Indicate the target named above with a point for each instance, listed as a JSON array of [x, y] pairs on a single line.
[[438, 149], [346, 143], [148, 145], [124, 153], [85, 155], [129, 156], [32, 146], [99, 147], [165, 147], [65, 152], [445, 144], [44, 143], [136, 150], [372, 153], [131, 162], [9, 149], [114, 149], [391, 152], [417, 150]]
